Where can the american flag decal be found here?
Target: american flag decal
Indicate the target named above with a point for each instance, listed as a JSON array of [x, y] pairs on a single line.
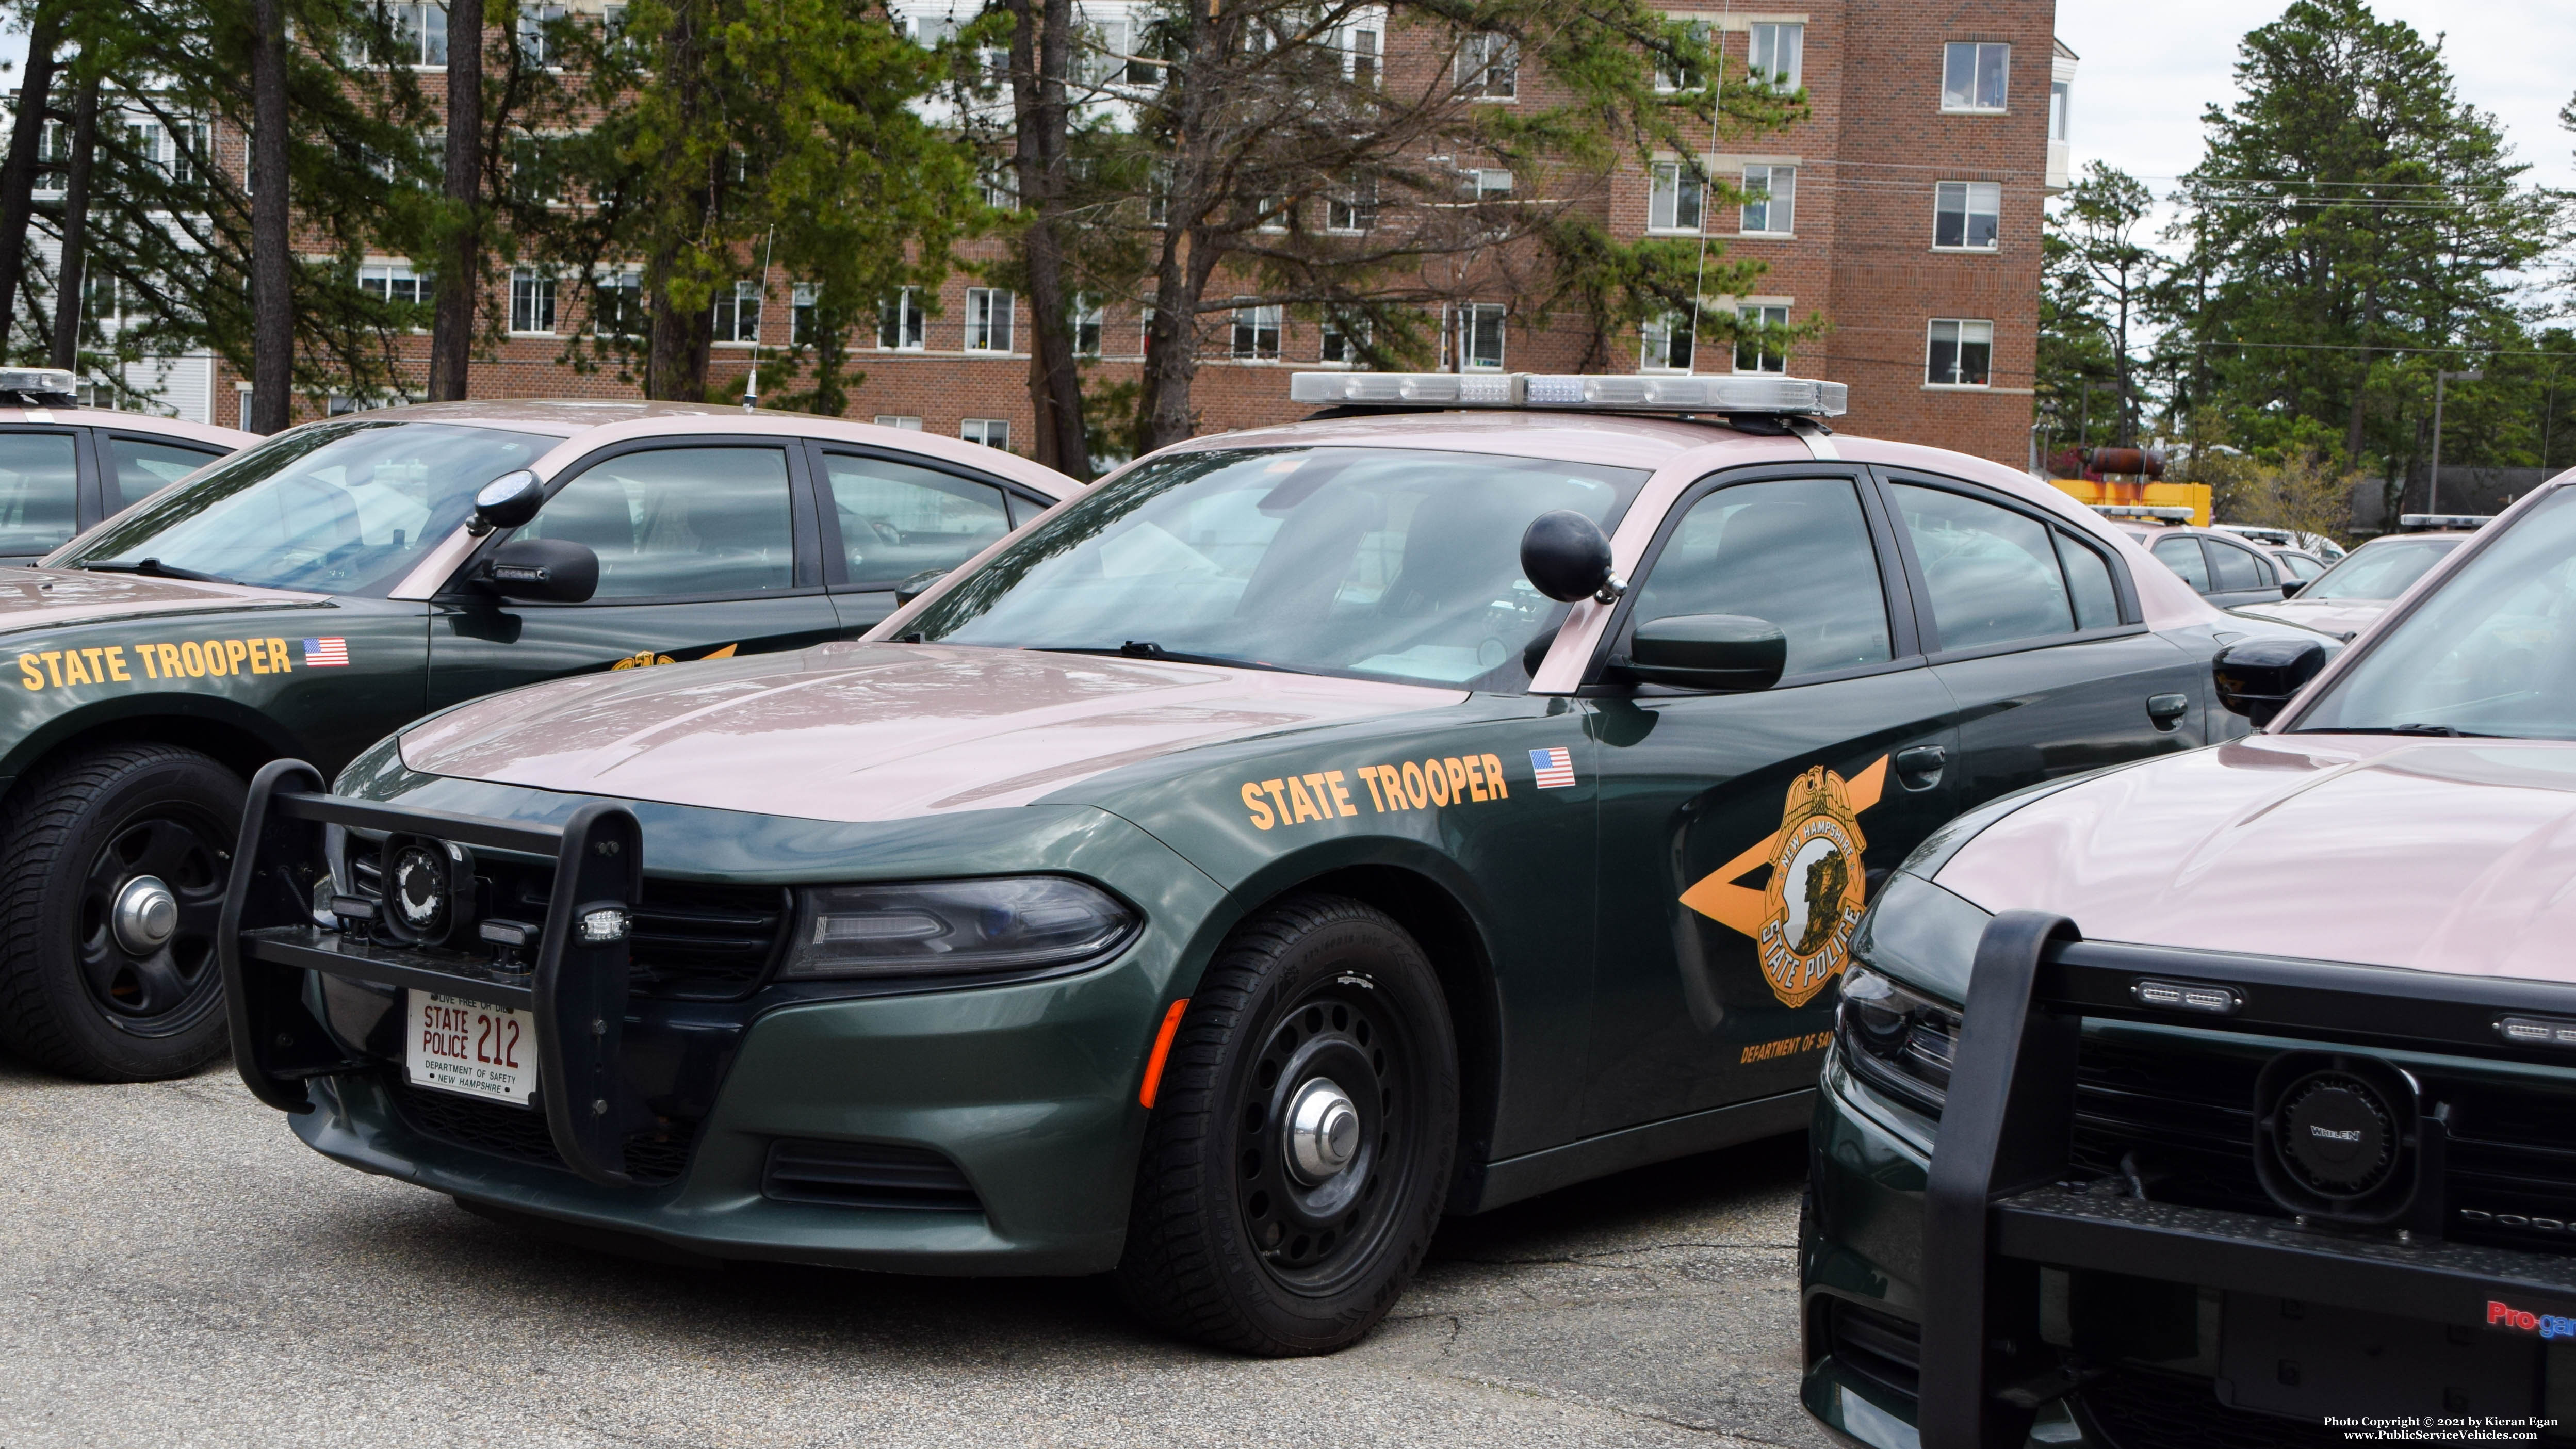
[[336, 651], [1555, 767]]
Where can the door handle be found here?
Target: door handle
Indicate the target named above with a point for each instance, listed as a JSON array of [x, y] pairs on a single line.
[[1919, 768], [2167, 710]]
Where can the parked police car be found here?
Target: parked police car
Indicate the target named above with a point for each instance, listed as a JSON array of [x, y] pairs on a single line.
[[64, 467], [1304, 833], [315, 591], [2206, 1098]]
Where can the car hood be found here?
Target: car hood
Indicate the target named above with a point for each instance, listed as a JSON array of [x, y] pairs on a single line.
[[860, 732], [2456, 856], [49, 598], [2342, 618]]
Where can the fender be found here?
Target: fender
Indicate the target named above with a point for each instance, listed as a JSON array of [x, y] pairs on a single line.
[[180, 707]]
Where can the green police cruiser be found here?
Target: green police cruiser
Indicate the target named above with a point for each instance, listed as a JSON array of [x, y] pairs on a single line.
[[313, 591], [1303, 834]]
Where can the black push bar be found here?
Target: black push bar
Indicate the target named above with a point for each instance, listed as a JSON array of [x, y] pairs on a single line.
[[1999, 1206], [574, 981]]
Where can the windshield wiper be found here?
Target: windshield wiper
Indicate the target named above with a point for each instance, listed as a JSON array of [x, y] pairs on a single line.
[[154, 568], [1148, 649], [2442, 730]]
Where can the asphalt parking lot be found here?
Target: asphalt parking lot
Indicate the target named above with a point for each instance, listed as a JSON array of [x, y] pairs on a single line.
[[178, 1270]]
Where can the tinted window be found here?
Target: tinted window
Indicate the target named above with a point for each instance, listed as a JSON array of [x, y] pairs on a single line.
[[2181, 553], [676, 522], [2299, 564], [39, 491], [1993, 573], [2380, 570], [1795, 553], [2236, 568], [897, 520], [2088, 582], [143, 469]]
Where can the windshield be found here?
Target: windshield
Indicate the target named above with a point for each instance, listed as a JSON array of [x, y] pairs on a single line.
[[2382, 571], [2492, 652], [340, 508], [1378, 562]]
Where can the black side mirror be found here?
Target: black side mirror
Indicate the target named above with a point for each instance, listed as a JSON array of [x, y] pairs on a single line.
[[1566, 555], [1708, 651], [2290, 587], [2257, 677], [506, 502], [553, 570], [917, 585]]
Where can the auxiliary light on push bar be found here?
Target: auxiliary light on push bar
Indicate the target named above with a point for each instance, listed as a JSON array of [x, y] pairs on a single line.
[[1720, 393]]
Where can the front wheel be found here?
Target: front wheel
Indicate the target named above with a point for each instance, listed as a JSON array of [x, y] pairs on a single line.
[[1300, 1147], [115, 864]]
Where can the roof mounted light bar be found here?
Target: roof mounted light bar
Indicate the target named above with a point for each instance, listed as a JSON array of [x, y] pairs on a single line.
[[40, 386], [2145, 511], [2425, 522], [1718, 393]]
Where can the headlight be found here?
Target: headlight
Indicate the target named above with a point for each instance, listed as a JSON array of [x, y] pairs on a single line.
[[1896, 1039], [954, 927]]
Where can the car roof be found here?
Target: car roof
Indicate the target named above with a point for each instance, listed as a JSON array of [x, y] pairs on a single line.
[[179, 430], [585, 424]]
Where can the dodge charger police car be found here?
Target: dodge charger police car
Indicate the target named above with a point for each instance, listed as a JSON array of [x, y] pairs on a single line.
[[1302, 834], [305, 596], [2216, 1095]]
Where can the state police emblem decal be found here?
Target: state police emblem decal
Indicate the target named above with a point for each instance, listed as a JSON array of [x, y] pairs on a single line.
[[1817, 888]]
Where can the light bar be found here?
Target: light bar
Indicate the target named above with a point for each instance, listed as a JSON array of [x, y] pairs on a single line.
[[1718, 393], [2444, 520], [57, 381], [2140, 510]]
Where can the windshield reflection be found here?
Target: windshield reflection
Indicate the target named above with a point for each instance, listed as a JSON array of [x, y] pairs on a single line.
[[2380, 570]]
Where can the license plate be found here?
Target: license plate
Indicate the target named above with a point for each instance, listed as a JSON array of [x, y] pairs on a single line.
[[470, 1048]]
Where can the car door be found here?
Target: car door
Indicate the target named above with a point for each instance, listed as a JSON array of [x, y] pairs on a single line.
[[1741, 833], [41, 484], [888, 518], [2034, 631], [707, 546], [2239, 574]]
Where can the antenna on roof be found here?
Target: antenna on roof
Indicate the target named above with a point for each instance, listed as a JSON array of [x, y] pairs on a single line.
[[751, 384]]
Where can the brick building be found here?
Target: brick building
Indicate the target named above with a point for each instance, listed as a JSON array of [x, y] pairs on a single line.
[[1905, 213]]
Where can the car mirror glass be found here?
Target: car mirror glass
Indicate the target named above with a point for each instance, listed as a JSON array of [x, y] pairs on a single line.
[[1708, 651], [918, 584], [507, 501], [1566, 555]]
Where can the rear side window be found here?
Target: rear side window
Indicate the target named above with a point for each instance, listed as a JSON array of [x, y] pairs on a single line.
[[1796, 553], [2236, 568], [39, 491], [2181, 553], [143, 469], [898, 520], [1993, 574], [2088, 583]]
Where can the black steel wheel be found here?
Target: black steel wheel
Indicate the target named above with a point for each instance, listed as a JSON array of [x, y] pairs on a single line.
[[115, 866], [1299, 1152]]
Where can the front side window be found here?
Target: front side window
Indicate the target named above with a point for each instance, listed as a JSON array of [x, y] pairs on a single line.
[[1973, 75], [1489, 67], [1674, 197], [738, 313], [347, 508], [1754, 351], [2491, 652], [532, 301], [679, 522], [1794, 553], [988, 320], [900, 325], [1993, 574], [1771, 199], [1667, 344], [1778, 53], [898, 520], [1256, 332], [1967, 214], [1386, 563], [2382, 570], [1959, 353]]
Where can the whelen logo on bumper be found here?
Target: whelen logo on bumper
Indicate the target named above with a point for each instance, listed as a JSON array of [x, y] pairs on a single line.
[[2547, 1325]]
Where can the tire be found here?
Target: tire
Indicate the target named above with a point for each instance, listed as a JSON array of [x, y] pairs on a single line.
[[1233, 1239], [75, 995]]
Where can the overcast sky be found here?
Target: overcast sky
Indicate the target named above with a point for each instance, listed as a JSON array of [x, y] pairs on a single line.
[[2148, 69]]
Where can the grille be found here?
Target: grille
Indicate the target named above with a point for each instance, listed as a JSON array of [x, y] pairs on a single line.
[[2134, 1409], [654, 1158], [867, 1174], [1886, 1351]]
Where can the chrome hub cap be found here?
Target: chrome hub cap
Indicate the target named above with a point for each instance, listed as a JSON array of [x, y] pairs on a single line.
[[146, 915], [1323, 1131]]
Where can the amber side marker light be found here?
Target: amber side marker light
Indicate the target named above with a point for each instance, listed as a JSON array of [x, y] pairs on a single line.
[[1162, 1049]]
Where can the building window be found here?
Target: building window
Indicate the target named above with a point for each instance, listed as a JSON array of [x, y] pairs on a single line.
[[738, 313], [1960, 352], [536, 47], [1489, 67], [991, 432], [1488, 184], [1968, 214], [1479, 337], [899, 323], [801, 301], [394, 282], [988, 320], [1352, 209], [1087, 316], [1755, 353], [1973, 74], [1256, 332], [1667, 344], [1345, 340], [617, 306], [1123, 36], [2061, 98], [1771, 200], [1675, 194], [532, 301], [905, 421], [412, 34], [1671, 75], [1158, 193], [1001, 187], [1269, 213], [1361, 43], [1777, 53]]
